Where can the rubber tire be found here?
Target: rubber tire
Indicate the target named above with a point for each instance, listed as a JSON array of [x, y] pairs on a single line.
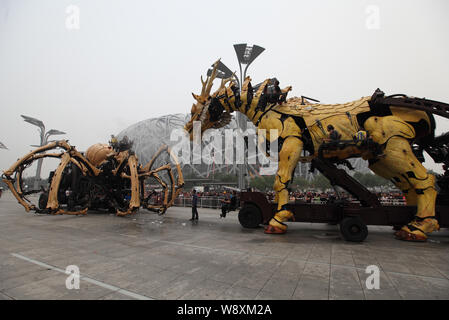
[[250, 216], [43, 199], [353, 229]]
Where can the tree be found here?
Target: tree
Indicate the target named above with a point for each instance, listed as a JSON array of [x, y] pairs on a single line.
[[262, 183], [320, 182], [371, 180]]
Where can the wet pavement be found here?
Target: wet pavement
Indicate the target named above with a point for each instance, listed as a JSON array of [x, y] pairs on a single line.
[[146, 256]]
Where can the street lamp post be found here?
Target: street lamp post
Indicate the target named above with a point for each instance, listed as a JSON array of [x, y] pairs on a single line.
[[44, 139], [245, 56]]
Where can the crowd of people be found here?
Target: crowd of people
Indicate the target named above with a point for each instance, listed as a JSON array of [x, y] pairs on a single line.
[[386, 198], [228, 200]]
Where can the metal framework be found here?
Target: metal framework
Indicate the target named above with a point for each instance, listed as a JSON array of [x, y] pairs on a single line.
[[106, 177], [388, 131]]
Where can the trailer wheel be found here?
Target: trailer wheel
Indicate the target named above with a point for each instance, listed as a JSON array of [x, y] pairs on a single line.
[[250, 216], [353, 229], [43, 198]]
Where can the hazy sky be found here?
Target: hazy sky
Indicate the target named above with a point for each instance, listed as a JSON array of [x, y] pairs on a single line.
[[132, 60]]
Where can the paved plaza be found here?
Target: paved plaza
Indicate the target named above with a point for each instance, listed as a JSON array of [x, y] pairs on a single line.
[[146, 256]]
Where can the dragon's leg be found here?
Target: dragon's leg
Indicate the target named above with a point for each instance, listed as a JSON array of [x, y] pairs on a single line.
[[288, 158], [401, 167]]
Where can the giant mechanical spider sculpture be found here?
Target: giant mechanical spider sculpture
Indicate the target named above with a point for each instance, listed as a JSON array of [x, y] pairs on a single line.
[[107, 176], [399, 128]]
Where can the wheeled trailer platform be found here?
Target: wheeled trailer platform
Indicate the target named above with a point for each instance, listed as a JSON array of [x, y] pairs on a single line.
[[353, 218]]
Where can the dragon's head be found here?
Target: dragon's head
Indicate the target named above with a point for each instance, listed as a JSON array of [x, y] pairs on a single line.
[[208, 109]]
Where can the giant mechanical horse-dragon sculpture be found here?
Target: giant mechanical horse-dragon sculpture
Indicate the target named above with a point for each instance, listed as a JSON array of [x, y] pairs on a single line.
[[398, 128]]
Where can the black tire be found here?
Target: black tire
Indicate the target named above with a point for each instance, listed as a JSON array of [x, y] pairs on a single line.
[[250, 216], [353, 229], [43, 199]]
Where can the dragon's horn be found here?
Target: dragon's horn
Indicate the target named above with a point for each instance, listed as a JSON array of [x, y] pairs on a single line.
[[207, 85]]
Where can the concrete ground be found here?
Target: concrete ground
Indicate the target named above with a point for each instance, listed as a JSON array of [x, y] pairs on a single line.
[[147, 256]]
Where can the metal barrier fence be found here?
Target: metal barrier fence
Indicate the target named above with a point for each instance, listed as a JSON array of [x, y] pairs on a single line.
[[215, 203], [203, 202], [393, 202], [384, 202]]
